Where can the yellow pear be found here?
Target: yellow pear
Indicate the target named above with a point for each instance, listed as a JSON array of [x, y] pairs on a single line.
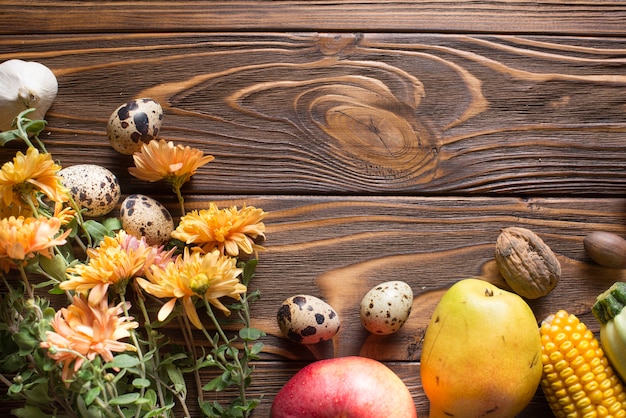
[[482, 353]]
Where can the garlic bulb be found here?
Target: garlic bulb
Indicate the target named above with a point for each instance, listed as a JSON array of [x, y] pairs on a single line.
[[25, 85]]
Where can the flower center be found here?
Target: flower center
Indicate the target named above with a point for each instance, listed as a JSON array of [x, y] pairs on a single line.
[[221, 233], [24, 190], [200, 284]]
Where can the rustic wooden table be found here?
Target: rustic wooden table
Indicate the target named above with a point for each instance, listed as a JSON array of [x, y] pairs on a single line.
[[387, 140]]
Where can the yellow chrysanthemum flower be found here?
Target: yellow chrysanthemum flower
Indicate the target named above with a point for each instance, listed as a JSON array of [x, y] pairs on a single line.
[[64, 213], [83, 331], [21, 238], [193, 275], [228, 230], [28, 174], [162, 160], [114, 262]]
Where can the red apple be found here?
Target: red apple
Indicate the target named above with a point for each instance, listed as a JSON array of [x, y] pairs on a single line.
[[346, 387]]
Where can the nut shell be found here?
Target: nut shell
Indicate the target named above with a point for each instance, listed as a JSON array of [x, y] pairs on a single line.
[[527, 264], [606, 248]]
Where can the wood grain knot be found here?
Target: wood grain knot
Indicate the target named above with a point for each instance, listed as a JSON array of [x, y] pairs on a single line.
[[368, 125]]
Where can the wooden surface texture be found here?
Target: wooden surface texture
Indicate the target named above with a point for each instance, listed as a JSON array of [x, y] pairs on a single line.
[[387, 140]]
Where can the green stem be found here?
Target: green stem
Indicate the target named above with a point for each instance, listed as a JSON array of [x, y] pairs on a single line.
[[188, 336], [41, 145], [22, 133], [4, 380], [81, 222], [220, 331], [29, 289], [183, 405], [31, 205], [181, 199], [105, 408], [114, 393], [152, 345], [133, 337]]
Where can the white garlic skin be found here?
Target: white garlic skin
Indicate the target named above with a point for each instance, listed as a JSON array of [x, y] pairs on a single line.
[[133, 124], [92, 187], [386, 307], [306, 319], [142, 216], [25, 85]]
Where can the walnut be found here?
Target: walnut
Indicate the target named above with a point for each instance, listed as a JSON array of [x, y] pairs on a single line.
[[527, 264]]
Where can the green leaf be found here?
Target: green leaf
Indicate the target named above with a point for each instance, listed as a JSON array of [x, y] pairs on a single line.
[[54, 266], [96, 230], [124, 399], [209, 361], [143, 401], [73, 225], [85, 374], [256, 349], [35, 127], [112, 224], [8, 136], [15, 388], [232, 352], [250, 334], [151, 396], [92, 395], [249, 269], [173, 358], [56, 290], [176, 376], [29, 411], [26, 341], [141, 383], [123, 361], [158, 411], [219, 383], [11, 363], [212, 409], [85, 411]]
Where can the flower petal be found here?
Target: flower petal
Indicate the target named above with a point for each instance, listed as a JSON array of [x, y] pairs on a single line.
[[166, 310], [191, 312]]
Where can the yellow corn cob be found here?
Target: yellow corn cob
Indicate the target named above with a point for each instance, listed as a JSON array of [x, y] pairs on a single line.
[[577, 380]]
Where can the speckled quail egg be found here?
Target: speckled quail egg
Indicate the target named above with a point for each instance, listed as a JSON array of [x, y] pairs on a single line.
[[94, 188], [142, 216], [386, 307], [133, 124], [306, 319]]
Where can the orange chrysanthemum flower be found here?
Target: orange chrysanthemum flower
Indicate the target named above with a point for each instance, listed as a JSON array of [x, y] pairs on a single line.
[[162, 160], [83, 331], [228, 230], [21, 238], [191, 275], [28, 174], [114, 262]]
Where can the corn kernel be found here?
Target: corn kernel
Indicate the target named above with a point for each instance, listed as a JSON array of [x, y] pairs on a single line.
[[577, 379]]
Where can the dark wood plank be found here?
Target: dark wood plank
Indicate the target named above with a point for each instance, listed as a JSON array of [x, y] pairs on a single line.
[[557, 17], [387, 140], [354, 114]]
